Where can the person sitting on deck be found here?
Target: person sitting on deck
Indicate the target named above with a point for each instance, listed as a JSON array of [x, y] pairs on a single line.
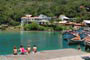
[[15, 50], [34, 48], [79, 47], [28, 49], [22, 50]]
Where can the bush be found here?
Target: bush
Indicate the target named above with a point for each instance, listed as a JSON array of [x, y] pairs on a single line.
[[32, 26], [35, 26], [61, 27], [3, 28], [42, 28], [26, 26], [58, 28], [13, 23], [50, 29]]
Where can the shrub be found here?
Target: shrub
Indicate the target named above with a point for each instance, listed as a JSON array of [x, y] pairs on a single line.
[[58, 28], [26, 26], [50, 29], [32, 26], [3, 28], [35, 26], [42, 28], [13, 23]]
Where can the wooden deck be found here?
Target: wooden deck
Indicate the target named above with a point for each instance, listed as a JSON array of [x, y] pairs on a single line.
[[64, 54]]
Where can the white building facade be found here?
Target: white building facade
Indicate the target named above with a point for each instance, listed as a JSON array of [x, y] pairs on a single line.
[[41, 19]]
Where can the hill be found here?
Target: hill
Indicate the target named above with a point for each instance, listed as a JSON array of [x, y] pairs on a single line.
[[12, 10]]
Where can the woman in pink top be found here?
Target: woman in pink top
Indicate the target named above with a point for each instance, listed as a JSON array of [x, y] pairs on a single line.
[[22, 50]]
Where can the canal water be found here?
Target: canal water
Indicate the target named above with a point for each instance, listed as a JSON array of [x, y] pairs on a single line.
[[43, 40]]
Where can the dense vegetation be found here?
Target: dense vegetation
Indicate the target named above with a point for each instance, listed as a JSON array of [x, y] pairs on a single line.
[[34, 26], [12, 10]]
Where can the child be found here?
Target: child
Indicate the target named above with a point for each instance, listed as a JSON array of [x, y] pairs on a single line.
[[15, 50], [28, 49], [79, 48], [34, 48]]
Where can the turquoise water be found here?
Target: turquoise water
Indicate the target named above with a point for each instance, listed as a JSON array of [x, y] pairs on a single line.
[[43, 40]]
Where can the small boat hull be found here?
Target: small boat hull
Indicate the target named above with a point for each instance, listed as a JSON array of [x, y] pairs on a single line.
[[76, 42], [67, 36]]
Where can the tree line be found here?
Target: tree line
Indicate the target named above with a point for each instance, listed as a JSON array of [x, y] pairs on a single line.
[[12, 10]]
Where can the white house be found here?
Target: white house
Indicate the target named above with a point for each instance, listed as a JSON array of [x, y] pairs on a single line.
[[63, 17], [87, 22], [41, 19], [44, 17]]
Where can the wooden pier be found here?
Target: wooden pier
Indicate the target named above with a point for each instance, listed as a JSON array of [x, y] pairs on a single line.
[[63, 54]]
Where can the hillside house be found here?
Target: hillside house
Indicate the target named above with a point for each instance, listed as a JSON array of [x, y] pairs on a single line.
[[63, 17], [41, 19]]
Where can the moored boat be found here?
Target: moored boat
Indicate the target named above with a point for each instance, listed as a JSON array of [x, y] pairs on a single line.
[[76, 39], [67, 36], [87, 42]]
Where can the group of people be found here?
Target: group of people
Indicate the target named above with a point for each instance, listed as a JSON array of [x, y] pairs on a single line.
[[23, 51]]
